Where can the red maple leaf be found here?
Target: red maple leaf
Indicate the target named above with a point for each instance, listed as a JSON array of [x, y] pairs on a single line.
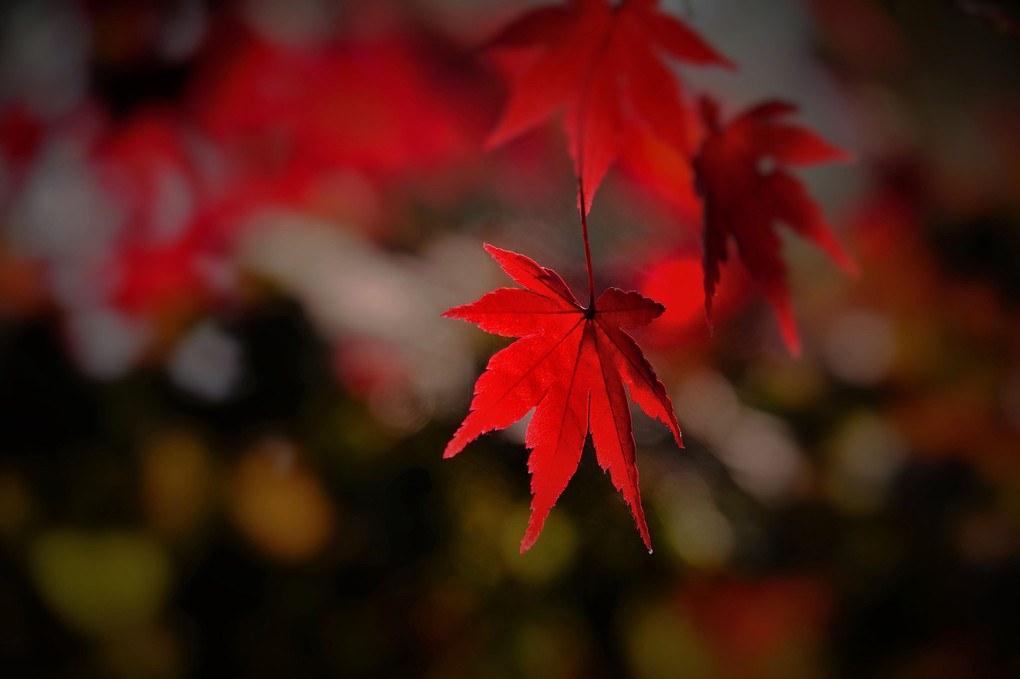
[[606, 65], [570, 365], [339, 105], [746, 190]]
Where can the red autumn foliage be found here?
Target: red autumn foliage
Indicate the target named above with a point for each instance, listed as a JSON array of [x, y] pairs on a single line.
[[270, 126], [327, 127], [743, 199], [676, 280], [570, 365], [606, 66], [375, 106], [150, 167], [20, 135], [666, 174], [747, 622]]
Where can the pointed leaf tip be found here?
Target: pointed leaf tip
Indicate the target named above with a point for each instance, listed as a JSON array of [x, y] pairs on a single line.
[[608, 64], [574, 371], [729, 164]]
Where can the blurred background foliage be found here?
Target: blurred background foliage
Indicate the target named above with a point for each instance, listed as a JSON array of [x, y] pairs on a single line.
[[227, 231]]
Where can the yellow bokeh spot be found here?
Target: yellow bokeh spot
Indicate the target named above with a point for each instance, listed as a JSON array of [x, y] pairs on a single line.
[[16, 504], [100, 583], [278, 504], [551, 554], [661, 644], [552, 648], [176, 483]]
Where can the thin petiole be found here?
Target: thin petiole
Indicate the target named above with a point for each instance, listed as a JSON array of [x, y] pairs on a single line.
[[587, 247]]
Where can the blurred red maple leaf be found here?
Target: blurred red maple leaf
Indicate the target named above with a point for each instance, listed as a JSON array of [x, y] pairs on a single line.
[[675, 278], [20, 135], [747, 623], [345, 105], [606, 65], [570, 365], [744, 195], [151, 166]]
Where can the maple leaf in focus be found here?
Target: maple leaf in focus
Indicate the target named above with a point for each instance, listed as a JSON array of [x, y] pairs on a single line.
[[606, 65], [570, 365], [746, 190]]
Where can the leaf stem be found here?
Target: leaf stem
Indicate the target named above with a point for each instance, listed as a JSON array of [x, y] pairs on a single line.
[[587, 247]]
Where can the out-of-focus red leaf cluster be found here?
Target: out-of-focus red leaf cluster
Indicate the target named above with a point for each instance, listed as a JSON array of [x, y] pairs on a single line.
[[138, 210]]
